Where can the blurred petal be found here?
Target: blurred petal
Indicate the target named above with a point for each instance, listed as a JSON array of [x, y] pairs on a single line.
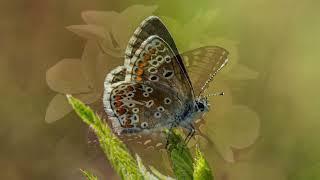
[[241, 72], [89, 60], [66, 77], [100, 18], [57, 108], [238, 128], [255, 171], [243, 125], [100, 24], [89, 98], [224, 150], [105, 64], [91, 32], [128, 21], [111, 47]]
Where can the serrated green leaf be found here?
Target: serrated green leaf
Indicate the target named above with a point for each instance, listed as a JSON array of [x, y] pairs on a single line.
[[181, 159], [89, 175], [202, 170], [146, 174], [114, 149], [160, 175]]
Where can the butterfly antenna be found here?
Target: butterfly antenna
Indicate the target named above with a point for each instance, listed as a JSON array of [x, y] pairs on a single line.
[[215, 94], [206, 84]]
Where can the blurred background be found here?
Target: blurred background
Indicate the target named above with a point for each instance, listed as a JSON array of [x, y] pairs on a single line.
[[272, 80]]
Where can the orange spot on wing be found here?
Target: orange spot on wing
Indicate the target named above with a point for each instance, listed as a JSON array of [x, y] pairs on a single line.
[[139, 78], [121, 111], [140, 72], [127, 123], [141, 65], [118, 98], [118, 103]]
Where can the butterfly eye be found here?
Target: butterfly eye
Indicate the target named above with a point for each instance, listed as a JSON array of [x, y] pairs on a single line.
[[144, 125]]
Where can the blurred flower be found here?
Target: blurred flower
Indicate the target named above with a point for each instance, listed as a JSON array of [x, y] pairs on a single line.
[[228, 125], [251, 171], [107, 34]]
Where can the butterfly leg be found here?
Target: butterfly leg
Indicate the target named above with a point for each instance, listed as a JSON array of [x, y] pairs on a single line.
[[191, 133]]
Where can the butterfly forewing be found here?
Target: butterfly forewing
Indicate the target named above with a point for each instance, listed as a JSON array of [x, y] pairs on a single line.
[[154, 61], [204, 62], [149, 27]]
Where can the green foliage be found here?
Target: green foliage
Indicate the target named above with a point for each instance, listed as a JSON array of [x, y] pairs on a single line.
[[89, 175], [201, 167], [307, 173], [116, 152], [144, 171], [184, 167], [181, 159]]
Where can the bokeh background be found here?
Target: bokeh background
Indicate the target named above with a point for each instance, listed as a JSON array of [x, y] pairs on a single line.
[[275, 81]]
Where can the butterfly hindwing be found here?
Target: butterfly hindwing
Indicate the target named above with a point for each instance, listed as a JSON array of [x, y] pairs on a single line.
[[137, 107], [204, 62]]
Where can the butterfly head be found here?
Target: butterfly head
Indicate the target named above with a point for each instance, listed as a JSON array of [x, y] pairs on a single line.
[[201, 104]]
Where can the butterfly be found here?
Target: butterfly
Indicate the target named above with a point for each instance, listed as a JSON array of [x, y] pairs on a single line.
[[154, 90]]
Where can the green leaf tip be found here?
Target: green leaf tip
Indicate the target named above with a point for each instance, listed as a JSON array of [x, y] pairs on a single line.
[[89, 175], [201, 167], [160, 175], [181, 158], [116, 152], [146, 174]]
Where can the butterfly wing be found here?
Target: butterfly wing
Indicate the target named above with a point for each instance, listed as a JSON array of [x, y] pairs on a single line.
[[137, 107], [203, 63], [155, 61], [149, 27]]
